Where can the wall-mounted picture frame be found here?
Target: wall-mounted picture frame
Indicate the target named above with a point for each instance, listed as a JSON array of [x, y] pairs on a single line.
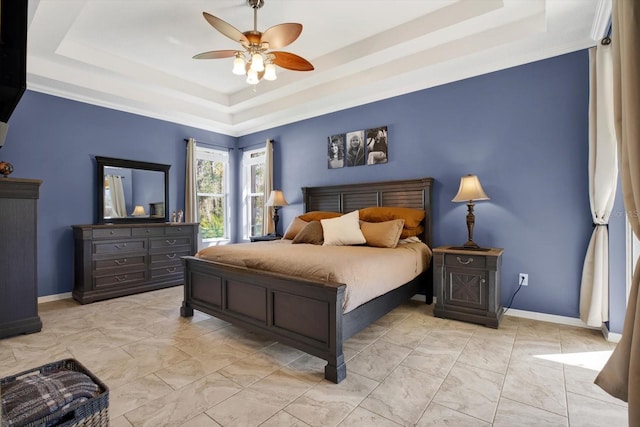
[[355, 149], [377, 146], [358, 147], [335, 151]]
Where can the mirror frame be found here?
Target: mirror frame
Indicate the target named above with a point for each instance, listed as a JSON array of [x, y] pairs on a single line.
[[131, 164]]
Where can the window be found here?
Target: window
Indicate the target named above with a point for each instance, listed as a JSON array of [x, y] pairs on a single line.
[[253, 192], [211, 188]]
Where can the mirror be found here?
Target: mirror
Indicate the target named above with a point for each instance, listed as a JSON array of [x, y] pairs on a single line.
[[132, 191]]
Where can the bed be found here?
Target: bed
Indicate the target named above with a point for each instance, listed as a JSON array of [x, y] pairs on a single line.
[[303, 312]]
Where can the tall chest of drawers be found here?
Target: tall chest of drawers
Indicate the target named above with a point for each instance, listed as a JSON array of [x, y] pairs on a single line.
[[113, 260]]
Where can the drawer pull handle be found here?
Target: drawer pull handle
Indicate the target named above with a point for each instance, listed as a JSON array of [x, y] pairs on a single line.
[[111, 232], [170, 242], [172, 256], [171, 269], [148, 231], [482, 281], [123, 262], [121, 278], [124, 245], [468, 261]]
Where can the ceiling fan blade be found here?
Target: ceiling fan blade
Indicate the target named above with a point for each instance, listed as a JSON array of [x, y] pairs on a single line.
[[281, 35], [225, 28], [215, 54], [291, 61]]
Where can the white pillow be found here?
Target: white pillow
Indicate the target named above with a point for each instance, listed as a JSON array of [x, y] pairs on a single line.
[[342, 231]]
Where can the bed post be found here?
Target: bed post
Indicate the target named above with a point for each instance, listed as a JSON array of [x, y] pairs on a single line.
[[186, 310], [335, 369]]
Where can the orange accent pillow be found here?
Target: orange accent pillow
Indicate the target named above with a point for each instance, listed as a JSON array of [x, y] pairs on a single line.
[[318, 215], [294, 228], [412, 217], [382, 234], [410, 232]]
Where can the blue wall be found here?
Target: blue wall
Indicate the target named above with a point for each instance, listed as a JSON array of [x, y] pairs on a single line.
[[523, 131], [56, 140]]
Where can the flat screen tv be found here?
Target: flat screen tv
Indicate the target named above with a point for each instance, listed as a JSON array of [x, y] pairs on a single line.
[[13, 58]]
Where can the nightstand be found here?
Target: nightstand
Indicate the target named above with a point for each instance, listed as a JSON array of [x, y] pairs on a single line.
[[267, 238], [467, 285]]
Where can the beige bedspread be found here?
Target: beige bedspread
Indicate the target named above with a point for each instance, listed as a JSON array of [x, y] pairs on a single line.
[[368, 272]]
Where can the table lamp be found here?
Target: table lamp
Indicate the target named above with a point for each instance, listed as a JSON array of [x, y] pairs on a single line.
[[470, 190], [276, 199], [138, 211]]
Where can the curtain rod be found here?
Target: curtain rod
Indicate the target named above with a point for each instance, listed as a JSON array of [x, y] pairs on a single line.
[[256, 144], [210, 145]]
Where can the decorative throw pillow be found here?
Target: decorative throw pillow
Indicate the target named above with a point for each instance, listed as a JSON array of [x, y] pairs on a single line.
[[382, 234], [409, 232], [318, 215], [294, 228], [311, 233], [412, 217], [342, 231]]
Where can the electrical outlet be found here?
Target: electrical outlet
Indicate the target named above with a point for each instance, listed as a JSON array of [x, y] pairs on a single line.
[[523, 279]]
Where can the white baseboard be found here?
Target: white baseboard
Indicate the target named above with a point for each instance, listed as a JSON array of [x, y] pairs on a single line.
[[544, 317], [55, 297], [563, 320], [610, 336]]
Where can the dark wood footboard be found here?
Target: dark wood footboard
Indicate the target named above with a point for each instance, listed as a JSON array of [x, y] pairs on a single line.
[[305, 314]]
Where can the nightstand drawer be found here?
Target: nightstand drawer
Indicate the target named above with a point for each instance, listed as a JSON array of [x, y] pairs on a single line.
[[467, 261]]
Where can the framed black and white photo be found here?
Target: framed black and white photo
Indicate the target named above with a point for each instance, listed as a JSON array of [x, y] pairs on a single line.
[[377, 145], [355, 152], [335, 149]]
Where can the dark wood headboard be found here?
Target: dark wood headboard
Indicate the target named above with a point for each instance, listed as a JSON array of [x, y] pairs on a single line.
[[410, 193]]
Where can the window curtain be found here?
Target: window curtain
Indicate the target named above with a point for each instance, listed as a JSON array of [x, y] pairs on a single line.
[[603, 177], [620, 377], [267, 212], [190, 190], [118, 205]]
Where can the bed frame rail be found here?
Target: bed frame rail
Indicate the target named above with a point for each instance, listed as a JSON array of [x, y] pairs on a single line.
[[303, 313]]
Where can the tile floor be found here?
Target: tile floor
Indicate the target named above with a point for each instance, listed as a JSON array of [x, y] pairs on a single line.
[[409, 368]]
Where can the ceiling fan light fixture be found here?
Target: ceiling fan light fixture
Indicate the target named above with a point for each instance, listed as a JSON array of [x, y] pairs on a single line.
[[270, 72], [257, 62], [252, 61], [252, 77], [239, 65]]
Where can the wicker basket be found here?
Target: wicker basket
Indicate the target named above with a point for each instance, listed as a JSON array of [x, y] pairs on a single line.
[[93, 412]]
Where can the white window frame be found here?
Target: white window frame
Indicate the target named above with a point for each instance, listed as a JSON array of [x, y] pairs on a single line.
[[211, 154], [247, 162]]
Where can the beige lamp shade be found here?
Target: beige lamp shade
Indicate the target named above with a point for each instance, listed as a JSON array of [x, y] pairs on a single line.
[[276, 198], [470, 189], [138, 211]]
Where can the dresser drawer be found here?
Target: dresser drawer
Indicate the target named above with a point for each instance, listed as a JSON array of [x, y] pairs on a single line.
[[147, 231], [119, 246], [102, 233], [165, 272], [178, 242], [168, 258], [175, 230], [125, 262], [468, 261], [120, 279]]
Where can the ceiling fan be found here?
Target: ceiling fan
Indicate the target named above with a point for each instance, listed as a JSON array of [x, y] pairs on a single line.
[[257, 61]]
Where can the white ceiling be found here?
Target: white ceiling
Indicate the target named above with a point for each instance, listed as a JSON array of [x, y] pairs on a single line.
[[136, 55]]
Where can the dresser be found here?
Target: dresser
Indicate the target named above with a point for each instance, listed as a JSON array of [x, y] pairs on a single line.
[[113, 260], [18, 257], [467, 285]]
